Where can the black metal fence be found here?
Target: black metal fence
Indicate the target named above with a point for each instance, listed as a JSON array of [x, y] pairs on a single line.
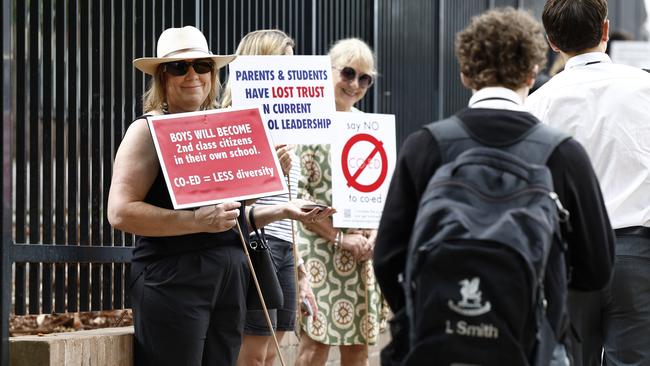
[[69, 93], [419, 80], [414, 39]]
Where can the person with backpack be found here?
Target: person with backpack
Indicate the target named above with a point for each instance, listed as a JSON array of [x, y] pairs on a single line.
[[606, 107], [490, 216]]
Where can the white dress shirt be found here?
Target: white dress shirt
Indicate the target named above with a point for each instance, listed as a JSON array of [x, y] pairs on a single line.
[[496, 97], [606, 107]]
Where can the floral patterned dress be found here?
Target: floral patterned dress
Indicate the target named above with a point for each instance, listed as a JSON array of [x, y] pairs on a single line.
[[350, 306]]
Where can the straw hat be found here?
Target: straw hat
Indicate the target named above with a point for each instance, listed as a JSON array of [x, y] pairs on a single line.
[[177, 44]]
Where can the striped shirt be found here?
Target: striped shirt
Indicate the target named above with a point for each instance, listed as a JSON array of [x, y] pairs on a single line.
[[282, 229]]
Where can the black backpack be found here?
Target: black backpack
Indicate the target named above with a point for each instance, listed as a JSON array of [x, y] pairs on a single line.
[[475, 270]]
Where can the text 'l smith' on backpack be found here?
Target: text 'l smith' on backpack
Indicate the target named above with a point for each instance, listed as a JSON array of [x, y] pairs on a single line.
[[481, 240]]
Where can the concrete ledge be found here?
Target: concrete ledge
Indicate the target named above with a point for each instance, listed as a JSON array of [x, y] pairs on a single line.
[[99, 347]]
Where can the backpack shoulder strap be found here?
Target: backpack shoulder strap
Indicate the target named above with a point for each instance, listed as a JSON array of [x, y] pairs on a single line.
[[538, 145], [451, 138], [535, 147]]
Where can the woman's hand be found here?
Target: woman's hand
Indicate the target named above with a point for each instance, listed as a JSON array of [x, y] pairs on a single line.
[[305, 292], [284, 156], [364, 249], [371, 235], [294, 211], [354, 242], [217, 218]]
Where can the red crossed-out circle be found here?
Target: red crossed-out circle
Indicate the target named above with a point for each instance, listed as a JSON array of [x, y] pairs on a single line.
[[352, 178]]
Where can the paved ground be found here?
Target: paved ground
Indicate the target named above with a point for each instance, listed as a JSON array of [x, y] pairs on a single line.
[[290, 351]]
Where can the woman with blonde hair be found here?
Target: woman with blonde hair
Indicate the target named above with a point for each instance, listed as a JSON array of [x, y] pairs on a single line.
[[176, 318], [268, 42], [257, 347], [350, 305]]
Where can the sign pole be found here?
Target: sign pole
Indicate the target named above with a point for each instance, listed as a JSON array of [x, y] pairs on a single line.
[[259, 293]]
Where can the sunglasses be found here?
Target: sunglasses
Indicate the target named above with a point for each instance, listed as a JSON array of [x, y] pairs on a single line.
[[180, 68], [349, 74]]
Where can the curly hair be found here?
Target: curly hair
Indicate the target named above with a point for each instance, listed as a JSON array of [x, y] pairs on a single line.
[[501, 47]]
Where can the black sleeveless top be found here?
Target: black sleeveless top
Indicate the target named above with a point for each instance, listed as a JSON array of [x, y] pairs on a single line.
[[151, 248]]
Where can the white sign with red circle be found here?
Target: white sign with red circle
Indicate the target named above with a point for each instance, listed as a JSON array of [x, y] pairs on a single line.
[[363, 160]]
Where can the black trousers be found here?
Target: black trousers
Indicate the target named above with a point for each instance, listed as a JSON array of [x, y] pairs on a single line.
[[617, 318], [189, 309]]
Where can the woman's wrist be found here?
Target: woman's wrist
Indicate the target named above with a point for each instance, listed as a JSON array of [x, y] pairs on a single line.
[[191, 220], [304, 278], [285, 211], [302, 272], [301, 269], [338, 239]]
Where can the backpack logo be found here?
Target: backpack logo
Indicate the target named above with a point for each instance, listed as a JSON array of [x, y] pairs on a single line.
[[470, 304]]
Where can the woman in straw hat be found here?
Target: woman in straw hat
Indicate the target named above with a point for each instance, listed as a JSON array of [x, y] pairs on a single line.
[[175, 323], [189, 275]]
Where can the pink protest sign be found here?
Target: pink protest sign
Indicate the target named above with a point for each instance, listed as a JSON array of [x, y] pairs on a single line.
[[214, 156]]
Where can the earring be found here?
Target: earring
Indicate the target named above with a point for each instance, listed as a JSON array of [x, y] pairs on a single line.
[[165, 108]]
